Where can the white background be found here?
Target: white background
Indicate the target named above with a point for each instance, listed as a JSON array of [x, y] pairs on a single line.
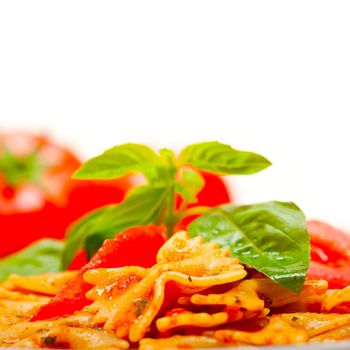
[[267, 76]]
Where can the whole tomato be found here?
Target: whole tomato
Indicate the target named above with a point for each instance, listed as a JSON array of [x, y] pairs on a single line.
[[38, 198]]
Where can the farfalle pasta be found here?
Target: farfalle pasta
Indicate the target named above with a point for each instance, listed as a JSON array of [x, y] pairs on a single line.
[[195, 296]]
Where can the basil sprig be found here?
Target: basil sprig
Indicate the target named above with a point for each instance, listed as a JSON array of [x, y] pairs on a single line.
[[271, 237], [155, 202]]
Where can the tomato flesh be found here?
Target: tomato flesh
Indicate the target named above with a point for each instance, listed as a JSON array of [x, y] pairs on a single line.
[[136, 246]]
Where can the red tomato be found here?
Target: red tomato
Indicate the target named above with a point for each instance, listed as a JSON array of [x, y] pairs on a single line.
[[37, 196], [79, 260], [330, 254], [338, 276], [334, 242], [135, 246]]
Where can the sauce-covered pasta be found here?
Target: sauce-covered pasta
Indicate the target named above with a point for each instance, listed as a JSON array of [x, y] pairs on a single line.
[[195, 296]]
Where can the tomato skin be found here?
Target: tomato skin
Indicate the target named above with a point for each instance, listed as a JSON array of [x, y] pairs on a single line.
[[32, 211], [330, 254], [127, 248]]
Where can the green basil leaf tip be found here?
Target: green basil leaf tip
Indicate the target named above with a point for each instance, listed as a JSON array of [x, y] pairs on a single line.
[[143, 206], [119, 161], [222, 159], [270, 237], [39, 257]]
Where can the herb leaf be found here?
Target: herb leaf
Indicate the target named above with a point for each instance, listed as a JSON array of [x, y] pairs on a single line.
[[39, 257], [143, 206], [270, 237], [140, 305], [121, 160], [49, 341], [222, 159]]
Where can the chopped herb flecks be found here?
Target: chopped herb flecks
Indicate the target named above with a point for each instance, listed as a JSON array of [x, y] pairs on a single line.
[[49, 341], [140, 305]]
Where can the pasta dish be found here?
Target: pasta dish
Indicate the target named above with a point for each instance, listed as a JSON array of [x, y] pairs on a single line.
[[195, 296], [175, 264]]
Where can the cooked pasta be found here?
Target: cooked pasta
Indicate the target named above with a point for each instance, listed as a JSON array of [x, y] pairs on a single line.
[[196, 296]]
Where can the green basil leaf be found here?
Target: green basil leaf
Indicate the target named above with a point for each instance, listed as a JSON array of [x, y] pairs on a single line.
[[143, 206], [222, 159], [270, 237], [189, 184], [82, 228], [39, 257], [121, 160]]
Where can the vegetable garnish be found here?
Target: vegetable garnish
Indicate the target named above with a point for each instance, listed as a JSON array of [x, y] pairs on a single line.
[[141, 207], [136, 246], [270, 237], [39, 257], [168, 177]]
